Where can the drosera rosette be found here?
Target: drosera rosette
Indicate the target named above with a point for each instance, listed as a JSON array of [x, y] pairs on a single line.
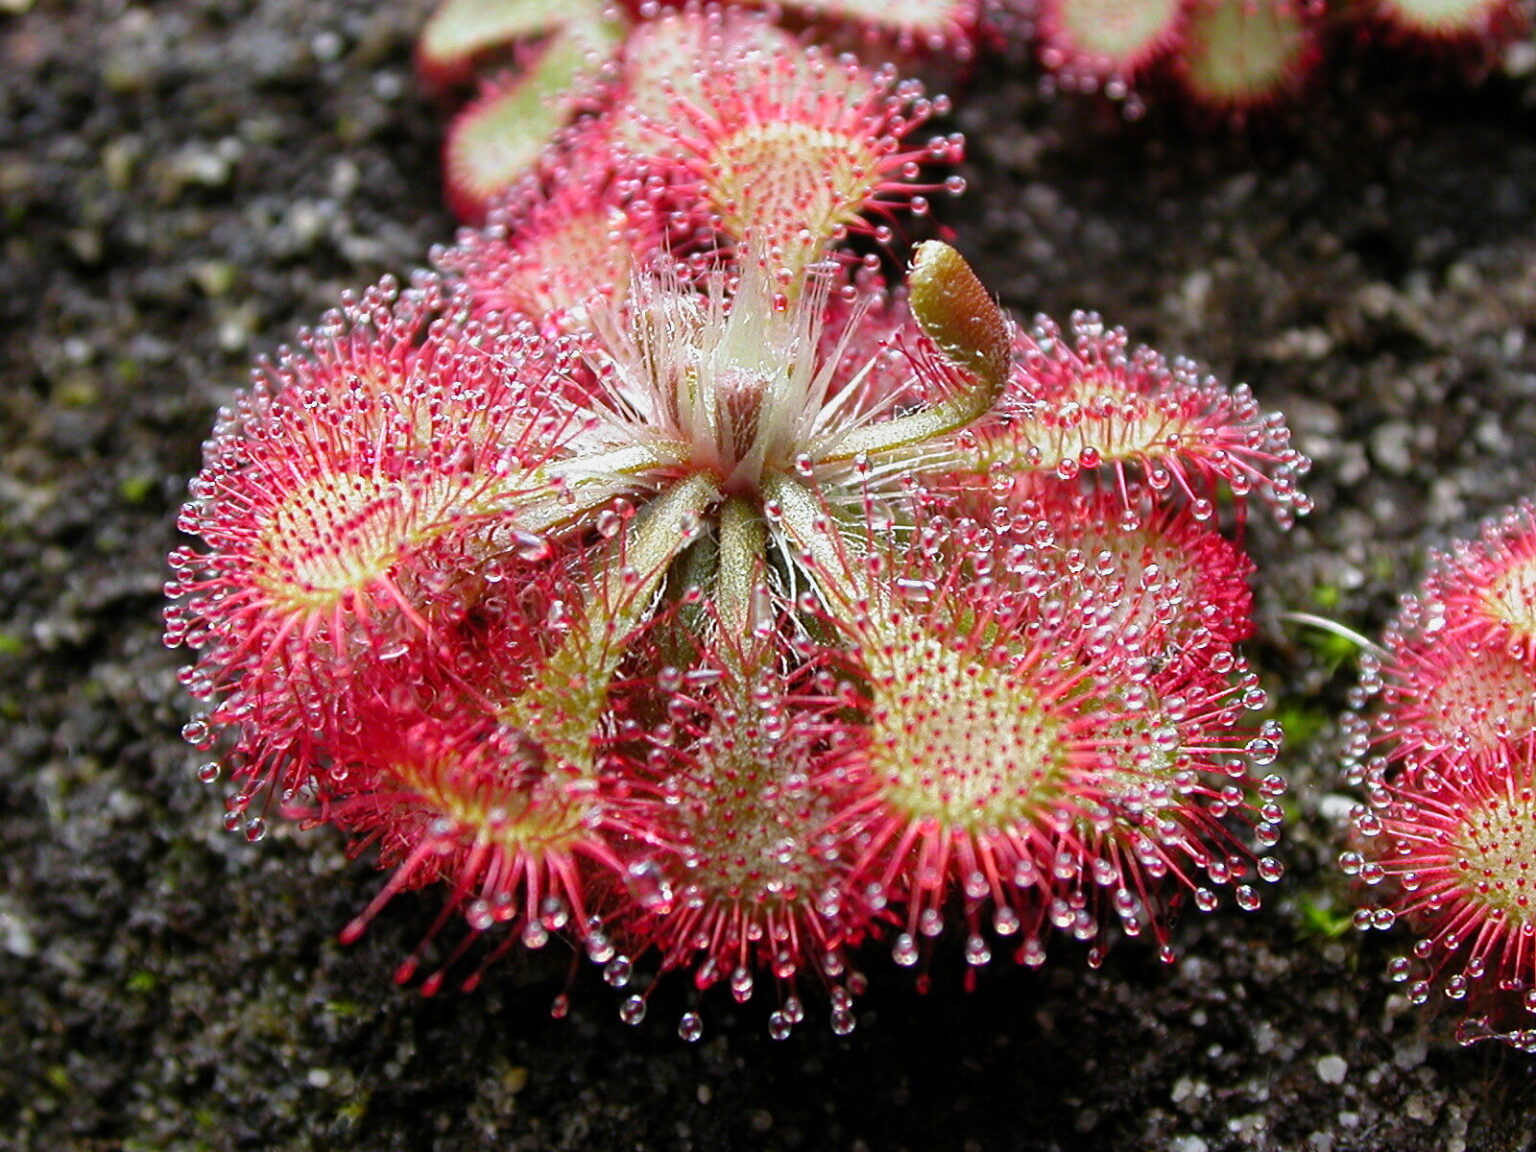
[[1446, 760], [361, 507], [712, 456]]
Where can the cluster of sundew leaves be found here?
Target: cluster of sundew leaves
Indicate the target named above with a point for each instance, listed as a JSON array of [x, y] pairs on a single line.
[[656, 579], [1446, 759], [1236, 55], [535, 68]]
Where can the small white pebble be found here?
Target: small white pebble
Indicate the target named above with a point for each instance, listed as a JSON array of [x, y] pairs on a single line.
[[16, 936], [1332, 1069], [1186, 1088], [1336, 809], [1410, 1054]]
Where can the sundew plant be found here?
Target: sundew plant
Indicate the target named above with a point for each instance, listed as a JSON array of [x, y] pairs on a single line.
[[1446, 759], [686, 573]]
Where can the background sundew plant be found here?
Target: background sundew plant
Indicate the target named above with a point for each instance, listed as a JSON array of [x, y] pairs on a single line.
[[895, 549]]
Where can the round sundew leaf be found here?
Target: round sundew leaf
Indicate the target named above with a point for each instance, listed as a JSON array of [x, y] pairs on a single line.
[[499, 138], [1447, 699], [788, 147], [1018, 751], [558, 255], [1174, 583], [785, 147], [455, 798], [1452, 851], [1087, 404], [738, 798], [324, 487], [459, 31], [663, 64], [931, 24], [1112, 35], [1239, 53], [1485, 589], [1442, 18]]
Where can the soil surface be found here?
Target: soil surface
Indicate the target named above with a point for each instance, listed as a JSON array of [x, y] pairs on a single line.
[[184, 183]]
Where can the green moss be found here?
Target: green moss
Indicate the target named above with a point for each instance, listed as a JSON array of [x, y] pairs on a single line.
[[350, 1114], [135, 489], [1302, 722], [1320, 918], [1333, 649], [77, 392], [128, 370]]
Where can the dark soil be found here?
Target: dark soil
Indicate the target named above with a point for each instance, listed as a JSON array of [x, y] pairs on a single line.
[[184, 183]]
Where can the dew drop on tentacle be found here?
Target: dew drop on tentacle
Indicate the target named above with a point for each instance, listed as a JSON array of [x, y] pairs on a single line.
[[632, 1011]]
